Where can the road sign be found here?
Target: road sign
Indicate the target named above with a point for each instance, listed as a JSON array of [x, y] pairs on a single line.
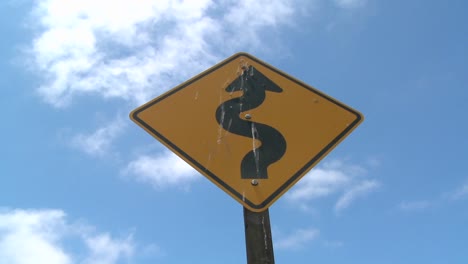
[[251, 129]]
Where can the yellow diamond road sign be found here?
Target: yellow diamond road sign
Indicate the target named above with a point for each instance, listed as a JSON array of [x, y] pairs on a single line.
[[251, 129]]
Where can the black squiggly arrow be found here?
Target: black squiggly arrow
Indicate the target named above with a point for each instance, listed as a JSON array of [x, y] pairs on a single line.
[[254, 86]]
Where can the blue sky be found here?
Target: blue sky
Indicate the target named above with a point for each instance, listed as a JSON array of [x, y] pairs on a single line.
[[80, 183]]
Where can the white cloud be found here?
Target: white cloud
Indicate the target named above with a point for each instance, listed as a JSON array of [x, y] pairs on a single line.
[[350, 3], [330, 179], [28, 237], [355, 192], [163, 170], [135, 50], [42, 236], [100, 141], [249, 17], [318, 183], [105, 250], [297, 239]]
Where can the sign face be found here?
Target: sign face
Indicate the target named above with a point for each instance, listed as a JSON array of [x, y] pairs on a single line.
[[249, 128]]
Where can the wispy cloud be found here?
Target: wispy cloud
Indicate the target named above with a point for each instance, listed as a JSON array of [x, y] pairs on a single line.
[[298, 239], [43, 236], [321, 182], [133, 50], [355, 192], [99, 142], [105, 249], [330, 179], [442, 199], [162, 170]]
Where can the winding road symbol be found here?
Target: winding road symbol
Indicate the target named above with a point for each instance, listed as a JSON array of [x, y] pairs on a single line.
[[254, 86], [239, 135]]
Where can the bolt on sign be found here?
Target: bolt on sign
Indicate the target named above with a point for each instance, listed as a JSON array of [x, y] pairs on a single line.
[[251, 129]]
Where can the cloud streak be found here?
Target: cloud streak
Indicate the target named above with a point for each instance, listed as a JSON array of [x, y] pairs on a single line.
[[355, 192], [297, 240], [457, 194], [333, 178]]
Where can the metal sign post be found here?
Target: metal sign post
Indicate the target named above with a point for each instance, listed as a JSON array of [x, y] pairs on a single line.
[[258, 239]]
